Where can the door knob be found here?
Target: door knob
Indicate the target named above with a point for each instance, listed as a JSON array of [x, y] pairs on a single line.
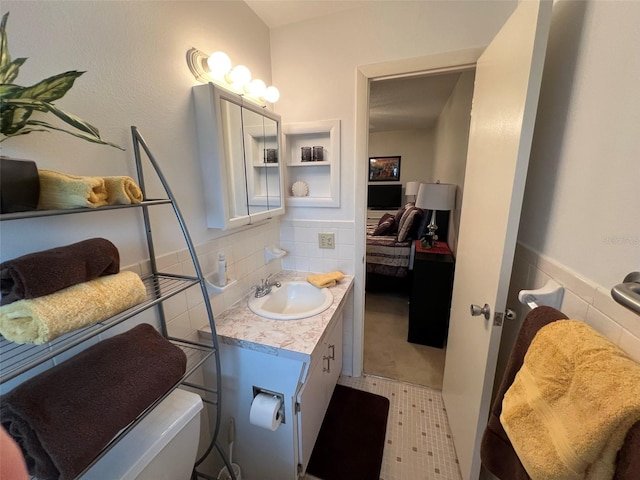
[[477, 310]]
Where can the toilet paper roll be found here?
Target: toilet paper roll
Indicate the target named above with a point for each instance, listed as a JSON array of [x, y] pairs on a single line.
[[265, 411]]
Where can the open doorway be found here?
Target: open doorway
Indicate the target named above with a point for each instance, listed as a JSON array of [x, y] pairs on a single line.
[[423, 119]]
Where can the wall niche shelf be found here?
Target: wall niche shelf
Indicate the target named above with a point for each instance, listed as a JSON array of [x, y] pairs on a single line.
[[323, 177]]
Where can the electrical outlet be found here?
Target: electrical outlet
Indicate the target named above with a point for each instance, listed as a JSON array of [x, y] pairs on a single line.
[[327, 240]]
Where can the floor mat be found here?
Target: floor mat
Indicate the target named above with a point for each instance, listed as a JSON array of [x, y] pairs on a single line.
[[351, 440]]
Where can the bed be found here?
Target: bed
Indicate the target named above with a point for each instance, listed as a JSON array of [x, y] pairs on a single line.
[[390, 242]]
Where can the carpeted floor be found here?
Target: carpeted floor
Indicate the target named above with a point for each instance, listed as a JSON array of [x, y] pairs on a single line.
[[386, 350]]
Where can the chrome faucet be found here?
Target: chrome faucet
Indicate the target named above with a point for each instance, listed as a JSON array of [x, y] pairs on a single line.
[[265, 286]]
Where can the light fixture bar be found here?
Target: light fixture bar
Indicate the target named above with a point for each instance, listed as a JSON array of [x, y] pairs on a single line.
[[236, 79]]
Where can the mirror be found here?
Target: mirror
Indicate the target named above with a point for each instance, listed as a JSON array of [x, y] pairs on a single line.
[[232, 140], [262, 155], [240, 155]]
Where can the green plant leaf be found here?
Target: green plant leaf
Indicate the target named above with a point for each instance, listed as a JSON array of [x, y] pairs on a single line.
[[84, 136], [24, 131], [52, 88], [17, 103], [14, 119], [9, 72], [4, 48], [8, 90]]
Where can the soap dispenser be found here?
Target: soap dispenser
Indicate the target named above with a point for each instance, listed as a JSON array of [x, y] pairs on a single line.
[[222, 270]]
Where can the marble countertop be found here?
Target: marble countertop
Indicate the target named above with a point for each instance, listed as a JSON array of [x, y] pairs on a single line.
[[240, 327]]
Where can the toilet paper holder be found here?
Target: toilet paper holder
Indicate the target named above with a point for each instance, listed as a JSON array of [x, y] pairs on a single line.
[[259, 390]]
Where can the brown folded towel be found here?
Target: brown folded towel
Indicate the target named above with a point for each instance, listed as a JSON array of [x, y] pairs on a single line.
[[62, 418], [496, 452], [628, 461], [41, 273]]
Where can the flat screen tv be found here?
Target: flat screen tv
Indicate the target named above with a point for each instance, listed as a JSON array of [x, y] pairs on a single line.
[[384, 197]]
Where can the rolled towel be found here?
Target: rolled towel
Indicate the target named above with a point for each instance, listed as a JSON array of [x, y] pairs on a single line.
[[63, 191], [40, 320], [64, 417], [322, 280], [122, 190], [42, 273]]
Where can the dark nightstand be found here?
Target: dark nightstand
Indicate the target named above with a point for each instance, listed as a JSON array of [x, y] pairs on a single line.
[[430, 300]]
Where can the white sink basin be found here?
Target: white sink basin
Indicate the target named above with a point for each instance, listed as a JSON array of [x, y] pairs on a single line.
[[292, 301]]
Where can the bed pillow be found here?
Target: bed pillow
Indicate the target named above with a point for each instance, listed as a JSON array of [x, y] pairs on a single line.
[[385, 225], [401, 211], [410, 216]]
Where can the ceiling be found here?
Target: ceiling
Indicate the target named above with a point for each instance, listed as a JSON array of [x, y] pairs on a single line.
[[409, 103], [276, 13], [405, 103]]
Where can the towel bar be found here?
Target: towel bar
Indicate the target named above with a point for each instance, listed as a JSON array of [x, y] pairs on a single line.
[[550, 295], [628, 292]]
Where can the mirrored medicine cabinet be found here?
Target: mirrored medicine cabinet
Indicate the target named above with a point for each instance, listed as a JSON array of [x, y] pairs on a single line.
[[240, 156]]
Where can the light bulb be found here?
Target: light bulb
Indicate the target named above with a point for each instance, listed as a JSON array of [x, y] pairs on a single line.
[[271, 94], [256, 88], [239, 76], [219, 63]]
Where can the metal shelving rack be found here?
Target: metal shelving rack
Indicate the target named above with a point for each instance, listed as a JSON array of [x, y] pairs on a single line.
[[17, 359]]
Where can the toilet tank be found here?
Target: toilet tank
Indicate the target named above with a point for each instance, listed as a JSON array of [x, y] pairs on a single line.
[[163, 446]]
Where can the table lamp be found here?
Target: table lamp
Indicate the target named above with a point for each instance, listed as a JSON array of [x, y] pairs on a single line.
[[434, 197], [411, 189]]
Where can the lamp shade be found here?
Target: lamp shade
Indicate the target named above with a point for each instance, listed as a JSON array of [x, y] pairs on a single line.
[[412, 188], [436, 196]]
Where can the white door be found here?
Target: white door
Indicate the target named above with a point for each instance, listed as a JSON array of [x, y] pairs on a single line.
[[502, 119]]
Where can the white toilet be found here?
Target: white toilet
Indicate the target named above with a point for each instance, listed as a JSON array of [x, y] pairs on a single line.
[[163, 446]]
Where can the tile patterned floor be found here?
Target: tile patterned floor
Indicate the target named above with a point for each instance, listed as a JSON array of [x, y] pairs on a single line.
[[418, 441]]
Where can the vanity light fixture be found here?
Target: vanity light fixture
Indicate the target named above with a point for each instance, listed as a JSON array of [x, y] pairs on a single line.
[[217, 68]]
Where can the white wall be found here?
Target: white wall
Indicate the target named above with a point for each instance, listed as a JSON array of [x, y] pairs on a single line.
[[582, 194], [315, 63], [414, 146], [451, 139], [136, 74]]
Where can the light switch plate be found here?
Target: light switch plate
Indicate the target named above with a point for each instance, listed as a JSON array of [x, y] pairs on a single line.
[[327, 240]]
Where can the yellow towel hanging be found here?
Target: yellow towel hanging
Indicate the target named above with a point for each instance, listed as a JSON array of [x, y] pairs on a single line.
[[323, 280]]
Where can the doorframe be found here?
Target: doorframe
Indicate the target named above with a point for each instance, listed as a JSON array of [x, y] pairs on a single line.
[[458, 60]]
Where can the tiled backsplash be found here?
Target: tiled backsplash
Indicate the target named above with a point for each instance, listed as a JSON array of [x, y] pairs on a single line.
[[244, 252], [583, 300], [300, 239]]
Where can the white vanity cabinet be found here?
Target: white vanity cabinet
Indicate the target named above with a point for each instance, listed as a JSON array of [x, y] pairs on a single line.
[[239, 150], [305, 381], [315, 394]]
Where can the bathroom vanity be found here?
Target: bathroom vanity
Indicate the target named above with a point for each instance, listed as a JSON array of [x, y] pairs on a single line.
[[298, 360]]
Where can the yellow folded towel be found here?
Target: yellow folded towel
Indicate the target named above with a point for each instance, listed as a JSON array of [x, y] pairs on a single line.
[[122, 190], [322, 280], [62, 191], [42, 319], [571, 404]]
